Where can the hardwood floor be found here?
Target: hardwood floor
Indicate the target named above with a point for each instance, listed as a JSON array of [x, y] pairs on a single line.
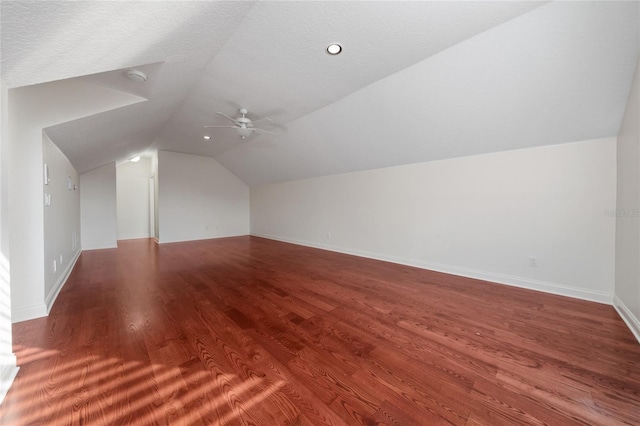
[[256, 332]]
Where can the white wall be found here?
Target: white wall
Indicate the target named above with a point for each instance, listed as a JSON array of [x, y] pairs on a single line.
[[26, 254], [61, 220], [132, 188], [154, 174], [8, 364], [480, 216], [627, 290], [31, 109], [199, 199], [98, 208]]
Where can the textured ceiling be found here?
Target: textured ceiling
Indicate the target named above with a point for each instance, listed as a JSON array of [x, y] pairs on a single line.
[[416, 81]]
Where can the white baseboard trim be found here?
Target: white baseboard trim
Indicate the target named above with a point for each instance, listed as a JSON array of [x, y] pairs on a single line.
[[100, 246], [133, 237], [7, 374], [547, 287], [211, 237], [53, 294], [627, 316], [30, 312], [42, 309]]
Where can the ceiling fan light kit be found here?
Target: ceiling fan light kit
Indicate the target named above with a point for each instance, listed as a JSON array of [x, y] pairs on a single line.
[[244, 131]]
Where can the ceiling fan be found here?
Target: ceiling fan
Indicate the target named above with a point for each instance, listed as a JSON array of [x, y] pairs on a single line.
[[243, 124]]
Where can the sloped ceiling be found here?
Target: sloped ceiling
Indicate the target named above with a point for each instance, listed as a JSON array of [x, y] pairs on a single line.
[[416, 81]]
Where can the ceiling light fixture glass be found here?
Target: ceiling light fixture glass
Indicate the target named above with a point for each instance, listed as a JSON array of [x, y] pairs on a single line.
[[207, 137], [244, 131], [334, 49], [135, 159]]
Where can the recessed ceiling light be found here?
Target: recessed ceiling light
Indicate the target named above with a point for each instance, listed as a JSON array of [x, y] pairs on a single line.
[[135, 159], [334, 49], [207, 137], [137, 76]]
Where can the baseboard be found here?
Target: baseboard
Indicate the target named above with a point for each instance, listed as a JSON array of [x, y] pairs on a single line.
[[42, 309], [547, 287], [7, 374], [29, 312], [134, 237], [212, 237], [100, 246], [627, 316], [53, 294]]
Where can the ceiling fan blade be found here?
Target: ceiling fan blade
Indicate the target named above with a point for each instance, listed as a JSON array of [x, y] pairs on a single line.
[[222, 127], [264, 131], [226, 116], [263, 119]]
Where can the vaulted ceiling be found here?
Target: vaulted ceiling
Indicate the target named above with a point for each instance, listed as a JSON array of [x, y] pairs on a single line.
[[417, 81]]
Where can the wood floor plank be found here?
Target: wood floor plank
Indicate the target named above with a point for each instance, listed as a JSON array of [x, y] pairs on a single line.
[[225, 332]]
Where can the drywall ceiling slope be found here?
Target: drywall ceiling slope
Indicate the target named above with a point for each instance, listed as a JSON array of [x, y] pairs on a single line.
[[93, 141], [118, 80], [417, 81], [96, 41], [275, 63], [559, 73], [54, 40], [267, 56]]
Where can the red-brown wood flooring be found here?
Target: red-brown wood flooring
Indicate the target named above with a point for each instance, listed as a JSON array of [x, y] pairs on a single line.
[[250, 331]]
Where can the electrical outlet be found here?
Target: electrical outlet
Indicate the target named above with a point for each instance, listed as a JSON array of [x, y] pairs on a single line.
[[533, 261]]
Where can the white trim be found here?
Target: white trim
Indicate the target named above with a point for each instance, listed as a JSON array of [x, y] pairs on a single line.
[[547, 287], [99, 246], [7, 374], [42, 309], [134, 237], [51, 298], [212, 237], [627, 316], [29, 312]]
